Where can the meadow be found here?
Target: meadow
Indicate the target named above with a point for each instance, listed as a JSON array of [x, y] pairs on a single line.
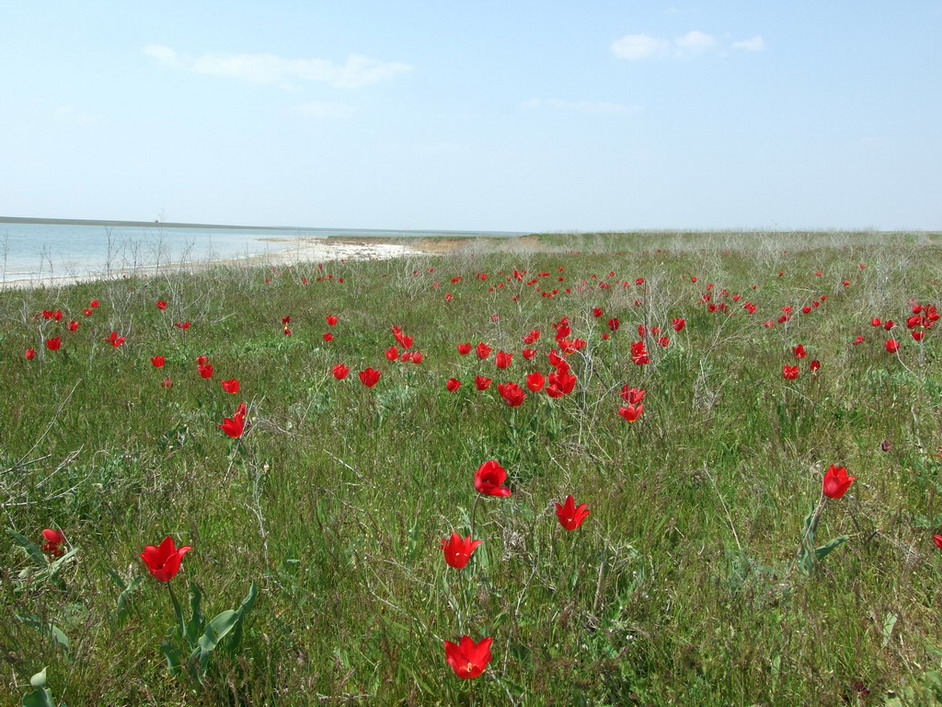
[[710, 570]]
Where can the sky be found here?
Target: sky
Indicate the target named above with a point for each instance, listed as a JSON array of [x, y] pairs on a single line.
[[510, 115]]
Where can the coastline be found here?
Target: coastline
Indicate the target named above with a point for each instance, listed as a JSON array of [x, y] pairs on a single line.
[[295, 251]]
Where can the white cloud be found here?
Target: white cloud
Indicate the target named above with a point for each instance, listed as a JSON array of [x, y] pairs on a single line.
[[695, 42], [756, 44], [639, 46], [325, 109], [602, 107], [634, 47], [357, 71]]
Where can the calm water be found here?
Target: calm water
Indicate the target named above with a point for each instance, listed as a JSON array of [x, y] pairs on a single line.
[[33, 251]]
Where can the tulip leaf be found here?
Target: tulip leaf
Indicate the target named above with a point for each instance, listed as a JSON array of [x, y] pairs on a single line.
[[216, 630], [42, 695], [824, 550], [32, 549], [172, 654], [52, 631], [195, 625], [243, 610]]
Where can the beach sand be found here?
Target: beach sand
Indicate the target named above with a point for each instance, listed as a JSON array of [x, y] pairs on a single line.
[[291, 251]]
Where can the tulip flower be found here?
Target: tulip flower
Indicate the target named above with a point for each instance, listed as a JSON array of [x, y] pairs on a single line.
[[206, 371], [54, 344], [369, 377], [164, 561], [489, 479], [632, 396], [535, 381], [815, 366], [482, 382], [331, 320], [235, 425], [483, 350], [570, 516], [503, 359], [836, 482], [465, 348], [327, 336], [679, 324], [161, 305], [458, 551], [467, 658], [512, 394], [614, 324], [114, 339], [392, 353], [790, 372], [892, 346], [631, 413], [73, 326], [417, 357], [230, 386], [596, 312], [452, 384], [55, 539], [938, 541], [30, 354], [799, 351], [340, 371], [157, 361]]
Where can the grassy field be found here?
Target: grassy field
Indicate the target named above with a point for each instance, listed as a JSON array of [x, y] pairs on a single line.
[[683, 585]]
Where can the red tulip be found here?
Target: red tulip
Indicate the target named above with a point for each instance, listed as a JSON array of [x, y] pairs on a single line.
[[87, 312], [790, 372], [182, 325], [876, 322], [918, 334], [392, 353], [93, 304], [114, 339], [464, 349], [327, 336], [489, 479], [892, 346], [54, 542], [482, 382], [814, 366], [164, 561], [528, 354], [369, 377], [54, 344], [483, 350], [158, 361], [30, 354], [836, 482], [202, 360], [938, 541], [799, 351], [467, 658], [206, 371], [570, 516], [632, 396], [417, 357], [503, 359], [614, 324], [73, 326], [535, 381], [563, 381], [512, 394], [331, 320], [161, 305], [858, 340], [340, 371], [230, 386], [458, 551], [679, 324], [631, 413], [452, 384], [889, 324], [234, 426], [596, 312]]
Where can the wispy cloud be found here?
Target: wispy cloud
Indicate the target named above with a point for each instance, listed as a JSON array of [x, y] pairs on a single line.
[[601, 107], [355, 72], [756, 44], [635, 47], [325, 109]]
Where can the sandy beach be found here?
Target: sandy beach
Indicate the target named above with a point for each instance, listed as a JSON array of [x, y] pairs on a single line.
[[289, 251]]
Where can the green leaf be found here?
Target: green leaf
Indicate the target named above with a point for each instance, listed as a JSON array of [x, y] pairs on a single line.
[[39, 679], [54, 632], [243, 611], [888, 623], [195, 625], [32, 549], [216, 630], [172, 654], [824, 550]]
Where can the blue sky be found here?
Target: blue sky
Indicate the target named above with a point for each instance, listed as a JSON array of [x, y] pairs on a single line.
[[488, 115]]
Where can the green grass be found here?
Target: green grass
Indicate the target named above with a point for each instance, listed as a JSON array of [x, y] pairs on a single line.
[[680, 588]]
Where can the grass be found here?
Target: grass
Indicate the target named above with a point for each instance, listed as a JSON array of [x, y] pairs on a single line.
[[681, 586]]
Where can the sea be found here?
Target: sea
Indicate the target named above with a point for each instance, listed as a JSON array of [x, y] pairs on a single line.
[[38, 251]]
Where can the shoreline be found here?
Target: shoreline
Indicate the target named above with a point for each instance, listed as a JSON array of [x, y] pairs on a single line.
[[303, 249]]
